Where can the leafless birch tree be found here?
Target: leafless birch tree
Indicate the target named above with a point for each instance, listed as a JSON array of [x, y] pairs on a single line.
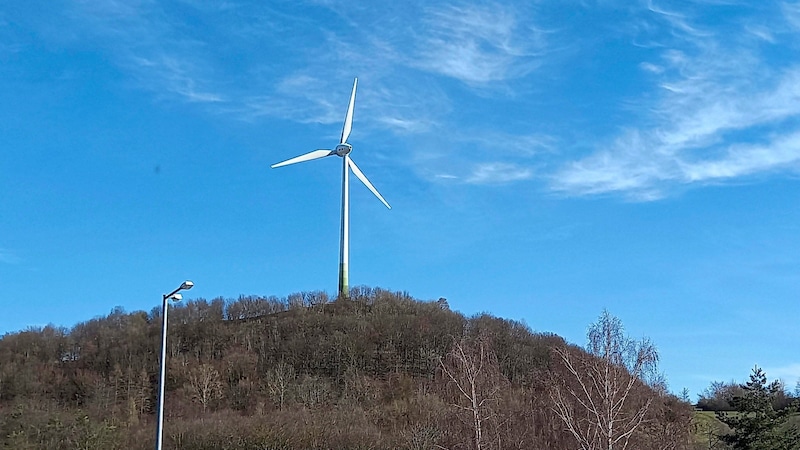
[[598, 399], [472, 368], [278, 381]]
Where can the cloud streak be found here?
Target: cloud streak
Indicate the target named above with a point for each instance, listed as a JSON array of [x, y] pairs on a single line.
[[720, 116], [498, 173], [477, 44], [175, 76]]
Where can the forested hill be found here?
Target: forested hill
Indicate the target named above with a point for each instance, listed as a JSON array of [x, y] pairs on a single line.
[[378, 371]]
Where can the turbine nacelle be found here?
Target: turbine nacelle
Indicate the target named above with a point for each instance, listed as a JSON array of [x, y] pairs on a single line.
[[342, 149]]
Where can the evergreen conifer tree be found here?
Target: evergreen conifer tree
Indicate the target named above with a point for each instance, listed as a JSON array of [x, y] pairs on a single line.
[[756, 424]]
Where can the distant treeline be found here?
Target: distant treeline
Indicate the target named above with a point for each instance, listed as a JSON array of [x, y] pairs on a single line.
[[720, 395]]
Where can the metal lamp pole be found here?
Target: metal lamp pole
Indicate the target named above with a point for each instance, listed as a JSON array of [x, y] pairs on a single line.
[[174, 296]]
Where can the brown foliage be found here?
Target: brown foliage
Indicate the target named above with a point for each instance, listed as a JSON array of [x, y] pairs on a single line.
[[379, 371]]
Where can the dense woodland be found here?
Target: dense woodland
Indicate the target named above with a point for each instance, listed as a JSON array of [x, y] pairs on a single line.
[[379, 370]]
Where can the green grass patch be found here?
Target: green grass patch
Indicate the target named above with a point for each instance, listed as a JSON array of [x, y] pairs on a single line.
[[706, 429]]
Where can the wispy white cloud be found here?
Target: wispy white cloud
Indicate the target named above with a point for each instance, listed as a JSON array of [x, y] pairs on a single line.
[[306, 98], [148, 44], [650, 67], [503, 157], [477, 43], [744, 160], [723, 114], [302, 98], [317, 88], [508, 144], [446, 176], [498, 173], [762, 32], [693, 145], [678, 21], [791, 12], [175, 76], [626, 167], [405, 109], [405, 125]]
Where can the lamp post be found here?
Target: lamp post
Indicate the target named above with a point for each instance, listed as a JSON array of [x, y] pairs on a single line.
[[176, 297]]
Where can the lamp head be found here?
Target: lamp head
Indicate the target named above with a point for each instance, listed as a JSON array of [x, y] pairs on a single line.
[[176, 297], [187, 285]]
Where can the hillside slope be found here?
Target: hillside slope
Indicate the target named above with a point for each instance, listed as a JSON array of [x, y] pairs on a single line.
[[378, 371]]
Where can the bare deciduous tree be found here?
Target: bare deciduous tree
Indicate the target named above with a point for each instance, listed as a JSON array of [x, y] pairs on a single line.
[[597, 400], [278, 381], [206, 385], [472, 368]]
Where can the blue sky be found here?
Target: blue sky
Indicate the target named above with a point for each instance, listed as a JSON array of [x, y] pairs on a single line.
[[544, 160]]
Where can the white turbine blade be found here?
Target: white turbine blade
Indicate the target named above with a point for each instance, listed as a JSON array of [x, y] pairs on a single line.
[[348, 120], [360, 175], [316, 154]]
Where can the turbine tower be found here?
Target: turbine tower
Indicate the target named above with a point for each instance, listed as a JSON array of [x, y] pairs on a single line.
[[342, 150]]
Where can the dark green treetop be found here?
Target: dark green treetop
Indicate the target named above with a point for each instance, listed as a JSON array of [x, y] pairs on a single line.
[[756, 425]]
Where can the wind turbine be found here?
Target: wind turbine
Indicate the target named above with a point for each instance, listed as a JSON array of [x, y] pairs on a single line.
[[342, 150]]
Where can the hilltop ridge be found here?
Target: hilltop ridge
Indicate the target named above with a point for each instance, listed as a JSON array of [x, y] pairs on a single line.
[[379, 370]]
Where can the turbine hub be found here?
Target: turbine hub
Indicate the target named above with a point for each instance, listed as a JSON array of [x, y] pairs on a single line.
[[343, 149]]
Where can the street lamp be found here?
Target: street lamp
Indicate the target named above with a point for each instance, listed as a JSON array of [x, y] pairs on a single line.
[[175, 297]]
